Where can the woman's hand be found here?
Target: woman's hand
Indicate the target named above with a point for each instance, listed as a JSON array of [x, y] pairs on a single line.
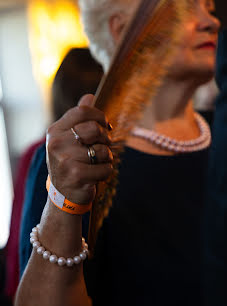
[[69, 165], [75, 177]]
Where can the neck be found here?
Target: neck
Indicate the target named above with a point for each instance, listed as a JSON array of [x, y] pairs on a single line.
[[171, 113], [171, 105]]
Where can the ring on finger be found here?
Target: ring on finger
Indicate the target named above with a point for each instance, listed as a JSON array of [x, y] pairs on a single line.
[[92, 155], [77, 137]]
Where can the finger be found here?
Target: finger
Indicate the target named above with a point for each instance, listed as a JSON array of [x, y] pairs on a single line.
[[87, 100], [91, 132], [79, 115], [80, 174], [91, 174], [103, 154], [67, 149]]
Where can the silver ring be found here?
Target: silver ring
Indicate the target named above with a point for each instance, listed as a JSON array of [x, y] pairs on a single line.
[[77, 137], [92, 155]]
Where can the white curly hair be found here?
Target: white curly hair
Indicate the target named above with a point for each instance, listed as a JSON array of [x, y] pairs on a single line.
[[95, 16]]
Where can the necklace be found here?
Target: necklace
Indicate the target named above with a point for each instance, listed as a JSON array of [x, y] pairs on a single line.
[[173, 145]]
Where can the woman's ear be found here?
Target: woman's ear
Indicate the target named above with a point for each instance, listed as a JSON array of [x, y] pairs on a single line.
[[117, 24]]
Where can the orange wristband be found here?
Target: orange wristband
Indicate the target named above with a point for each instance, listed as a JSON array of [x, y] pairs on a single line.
[[62, 203]]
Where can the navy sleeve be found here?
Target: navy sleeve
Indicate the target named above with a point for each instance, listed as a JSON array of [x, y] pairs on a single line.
[[35, 200], [216, 204]]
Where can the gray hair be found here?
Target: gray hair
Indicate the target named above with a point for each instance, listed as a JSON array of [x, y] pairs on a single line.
[[95, 16]]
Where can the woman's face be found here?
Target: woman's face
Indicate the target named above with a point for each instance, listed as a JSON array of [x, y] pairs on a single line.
[[196, 55]]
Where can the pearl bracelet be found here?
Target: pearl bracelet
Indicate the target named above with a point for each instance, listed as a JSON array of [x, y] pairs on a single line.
[[61, 261]]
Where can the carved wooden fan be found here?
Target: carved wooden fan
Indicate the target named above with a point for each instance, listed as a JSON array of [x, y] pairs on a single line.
[[140, 64]]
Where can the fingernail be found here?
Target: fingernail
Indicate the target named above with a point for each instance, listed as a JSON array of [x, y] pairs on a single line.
[[110, 127]]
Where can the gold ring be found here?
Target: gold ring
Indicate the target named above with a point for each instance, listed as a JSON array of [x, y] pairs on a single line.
[[92, 155]]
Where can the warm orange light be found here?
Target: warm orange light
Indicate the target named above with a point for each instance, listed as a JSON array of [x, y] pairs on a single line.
[[54, 29]]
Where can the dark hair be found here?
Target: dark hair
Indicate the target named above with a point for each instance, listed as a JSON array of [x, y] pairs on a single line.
[[78, 74]]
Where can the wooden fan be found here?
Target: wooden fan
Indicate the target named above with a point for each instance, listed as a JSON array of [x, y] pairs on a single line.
[[139, 65]]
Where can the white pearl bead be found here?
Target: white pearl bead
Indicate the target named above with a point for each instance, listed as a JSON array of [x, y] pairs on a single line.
[[36, 244], [40, 250], [171, 147], [85, 251], [77, 260], [164, 145], [35, 230], [33, 239], [53, 259], [46, 255], [61, 261], [38, 226], [33, 235], [69, 262], [83, 256]]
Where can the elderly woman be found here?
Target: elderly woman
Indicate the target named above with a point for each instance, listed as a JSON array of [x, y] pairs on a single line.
[[148, 250]]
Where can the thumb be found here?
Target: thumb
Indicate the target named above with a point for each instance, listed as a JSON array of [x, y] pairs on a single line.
[[87, 100]]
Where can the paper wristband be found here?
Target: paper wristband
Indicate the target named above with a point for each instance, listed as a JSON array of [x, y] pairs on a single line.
[[62, 203]]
